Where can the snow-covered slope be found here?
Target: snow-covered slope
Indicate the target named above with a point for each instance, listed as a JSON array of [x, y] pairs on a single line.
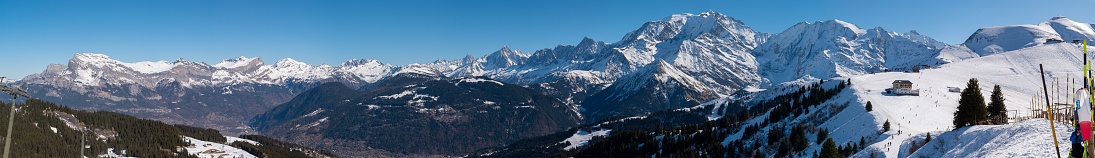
[[835, 48], [202, 148], [847, 121], [996, 39], [1016, 72], [1030, 138]]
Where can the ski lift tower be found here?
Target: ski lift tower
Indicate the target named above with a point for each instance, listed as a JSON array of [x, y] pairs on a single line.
[[15, 93]]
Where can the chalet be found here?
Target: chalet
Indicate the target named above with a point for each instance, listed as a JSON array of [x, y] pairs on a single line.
[[902, 84], [903, 87]]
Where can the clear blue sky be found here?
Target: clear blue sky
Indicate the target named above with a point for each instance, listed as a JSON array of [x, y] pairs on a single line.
[[36, 33]]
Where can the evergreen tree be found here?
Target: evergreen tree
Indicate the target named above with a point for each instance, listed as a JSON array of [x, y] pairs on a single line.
[[829, 150], [971, 106], [798, 138], [886, 126], [929, 138], [783, 150], [822, 135], [869, 106], [997, 110]]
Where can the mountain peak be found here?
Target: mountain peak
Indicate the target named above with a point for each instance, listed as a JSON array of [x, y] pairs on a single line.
[[689, 26], [468, 59], [710, 13], [357, 62], [843, 24], [180, 60], [835, 27], [506, 57], [98, 60], [417, 69], [996, 39], [240, 58], [288, 61], [586, 41], [686, 16], [90, 56], [238, 62]]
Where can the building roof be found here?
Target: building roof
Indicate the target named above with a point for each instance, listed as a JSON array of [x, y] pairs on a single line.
[[902, 81]]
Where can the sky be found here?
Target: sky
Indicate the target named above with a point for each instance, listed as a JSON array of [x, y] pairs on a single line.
[[34, 34]]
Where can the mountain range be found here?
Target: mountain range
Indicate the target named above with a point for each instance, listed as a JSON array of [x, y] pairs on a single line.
[[677, 62]]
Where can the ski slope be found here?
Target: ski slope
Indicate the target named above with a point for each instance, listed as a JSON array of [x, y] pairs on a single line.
[[1030, 138], [202, 148], [1016, 72]]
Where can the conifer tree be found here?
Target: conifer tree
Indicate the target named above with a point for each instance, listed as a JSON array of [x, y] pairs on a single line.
[[996, 109], [869, 106], [886, 126], [971, 106], [829, 150]]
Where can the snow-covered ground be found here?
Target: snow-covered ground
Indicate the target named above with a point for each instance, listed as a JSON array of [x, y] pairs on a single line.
[[910, 117], [1016, 72], [115, 154], [582, 137], [1030, 138], [210, 149], [232, 139]]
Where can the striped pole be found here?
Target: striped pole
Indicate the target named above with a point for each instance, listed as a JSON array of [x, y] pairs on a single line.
[[1054, 129]]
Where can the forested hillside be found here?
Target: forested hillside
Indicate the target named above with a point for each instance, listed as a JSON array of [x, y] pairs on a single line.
[[45, 129]]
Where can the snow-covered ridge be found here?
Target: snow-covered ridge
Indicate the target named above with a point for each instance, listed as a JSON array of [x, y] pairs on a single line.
[[87, 69], [997, 39], [104, 61], [235, 62]]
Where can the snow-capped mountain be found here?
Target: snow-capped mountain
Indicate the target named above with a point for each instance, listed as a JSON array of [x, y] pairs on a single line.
[[675, 62], [192, 93], [90, 70], [783, 122], [680, 61], [996, 39], [835, 48]]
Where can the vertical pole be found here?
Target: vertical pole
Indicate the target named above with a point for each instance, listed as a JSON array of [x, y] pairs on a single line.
[[1051, 127], [7, 139], [83, 140], [11, 120], [1087, 85]]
